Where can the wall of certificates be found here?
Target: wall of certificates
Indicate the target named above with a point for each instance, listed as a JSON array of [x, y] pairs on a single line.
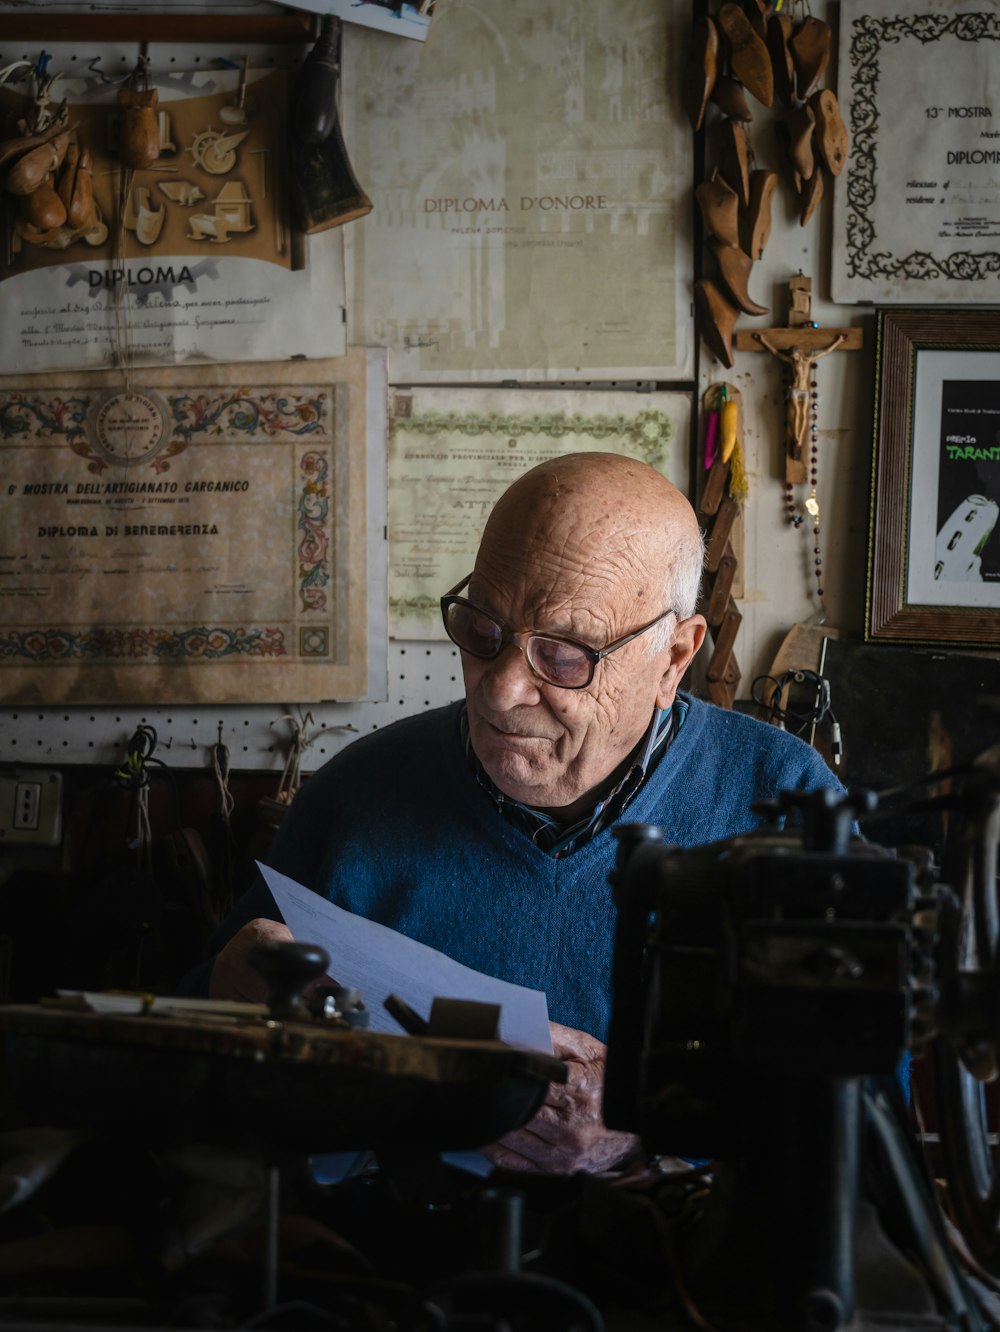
[[527, 264]]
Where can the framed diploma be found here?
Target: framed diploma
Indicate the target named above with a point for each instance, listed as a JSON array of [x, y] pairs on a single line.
[[934, 550], [919, 218], [194, 536]]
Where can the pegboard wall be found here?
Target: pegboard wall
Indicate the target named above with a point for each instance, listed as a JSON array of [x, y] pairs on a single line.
[[113, 60], [258, 736]]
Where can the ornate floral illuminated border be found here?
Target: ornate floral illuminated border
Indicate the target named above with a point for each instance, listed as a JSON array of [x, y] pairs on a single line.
[[647, 433], [141, 645], [251, 413]]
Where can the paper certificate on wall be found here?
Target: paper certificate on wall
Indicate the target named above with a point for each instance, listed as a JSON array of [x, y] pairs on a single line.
[[917, 217], [196, 536], [198, 261], [531, 178], [453, 452]]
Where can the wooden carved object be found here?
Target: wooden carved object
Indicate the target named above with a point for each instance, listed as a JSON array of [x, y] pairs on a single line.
[[749, 60], [734, 269], [140, 137], [757, 12], [831, 140], [779, 32], [717, 318], [720, 209], [43, 208], [758, 222], [718, 513], [701, 70], [752, 50], [801, 124], [75, 187], [734, 159], [30, 170], [799, 345], [730, 97], [812, 193], [810, 48]]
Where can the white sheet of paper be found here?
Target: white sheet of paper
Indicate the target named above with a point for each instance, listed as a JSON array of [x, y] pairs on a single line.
[[379, 961]]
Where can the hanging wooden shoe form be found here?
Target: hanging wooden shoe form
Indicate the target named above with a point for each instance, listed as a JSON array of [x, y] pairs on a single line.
[[716, 319], [831, 138], [139, 145], [746, 51], [810, 48], [731, 99], [758, 217], [734, 270], [748, 56], [779, 34], [701, 70], [734, 158], [720, 209]]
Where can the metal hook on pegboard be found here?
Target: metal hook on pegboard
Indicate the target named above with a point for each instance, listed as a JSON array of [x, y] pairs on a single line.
[[93, 67], [291, 773]]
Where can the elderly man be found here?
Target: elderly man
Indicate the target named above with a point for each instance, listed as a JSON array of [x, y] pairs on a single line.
[[484, 828]]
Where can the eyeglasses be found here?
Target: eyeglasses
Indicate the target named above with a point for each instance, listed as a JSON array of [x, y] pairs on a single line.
[[554, 659]]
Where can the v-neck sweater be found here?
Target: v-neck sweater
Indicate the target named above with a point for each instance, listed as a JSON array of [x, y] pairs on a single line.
[[396, 828]]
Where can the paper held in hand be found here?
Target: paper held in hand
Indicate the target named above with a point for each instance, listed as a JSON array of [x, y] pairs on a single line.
[[378, 961]]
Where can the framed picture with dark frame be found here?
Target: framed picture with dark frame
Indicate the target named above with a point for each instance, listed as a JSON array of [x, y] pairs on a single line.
[[934, 543]]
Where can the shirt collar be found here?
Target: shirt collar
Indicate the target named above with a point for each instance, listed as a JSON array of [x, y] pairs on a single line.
[[558, 838]]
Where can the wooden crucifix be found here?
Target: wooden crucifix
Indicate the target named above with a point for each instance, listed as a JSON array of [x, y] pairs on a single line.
[[799, 345]]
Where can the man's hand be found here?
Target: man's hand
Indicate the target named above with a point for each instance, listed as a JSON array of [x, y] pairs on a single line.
[[233, 977], [567, 1134]]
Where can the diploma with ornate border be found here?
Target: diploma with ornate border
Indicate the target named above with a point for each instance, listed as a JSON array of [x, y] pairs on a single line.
[[197, 535], [918, 217]]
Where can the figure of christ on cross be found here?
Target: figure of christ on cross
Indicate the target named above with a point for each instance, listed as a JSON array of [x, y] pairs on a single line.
[[797, 396]]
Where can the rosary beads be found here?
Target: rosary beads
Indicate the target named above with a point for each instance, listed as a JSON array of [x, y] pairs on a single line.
[[810, 509]]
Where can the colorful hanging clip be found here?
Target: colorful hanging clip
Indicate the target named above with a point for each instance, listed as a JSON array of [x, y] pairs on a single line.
[[728, 421]]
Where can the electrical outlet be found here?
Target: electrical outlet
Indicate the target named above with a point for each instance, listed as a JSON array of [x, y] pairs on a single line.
[[30, 807], [27, 804]]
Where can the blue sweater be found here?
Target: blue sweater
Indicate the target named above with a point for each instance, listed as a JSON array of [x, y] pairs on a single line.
[[397, 829]]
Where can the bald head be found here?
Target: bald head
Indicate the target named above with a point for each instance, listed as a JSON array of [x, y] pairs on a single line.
[[607, 519], [600, 550]]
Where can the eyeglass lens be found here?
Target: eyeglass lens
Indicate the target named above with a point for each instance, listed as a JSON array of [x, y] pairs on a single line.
[[473, 631], [557, 662]]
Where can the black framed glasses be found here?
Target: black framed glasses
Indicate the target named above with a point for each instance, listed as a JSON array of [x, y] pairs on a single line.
[[556, 660]]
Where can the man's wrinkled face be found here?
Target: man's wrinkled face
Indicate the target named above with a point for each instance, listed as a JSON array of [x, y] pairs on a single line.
[[545, 746]]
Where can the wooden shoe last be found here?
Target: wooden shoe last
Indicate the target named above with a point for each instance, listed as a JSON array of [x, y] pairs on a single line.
[[717, 318], [702, 69], [749, 60], [810, 48], [831, 139], [720, 209], [734, 269]]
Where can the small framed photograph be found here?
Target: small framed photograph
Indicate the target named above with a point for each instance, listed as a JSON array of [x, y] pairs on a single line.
[[934, 544]]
